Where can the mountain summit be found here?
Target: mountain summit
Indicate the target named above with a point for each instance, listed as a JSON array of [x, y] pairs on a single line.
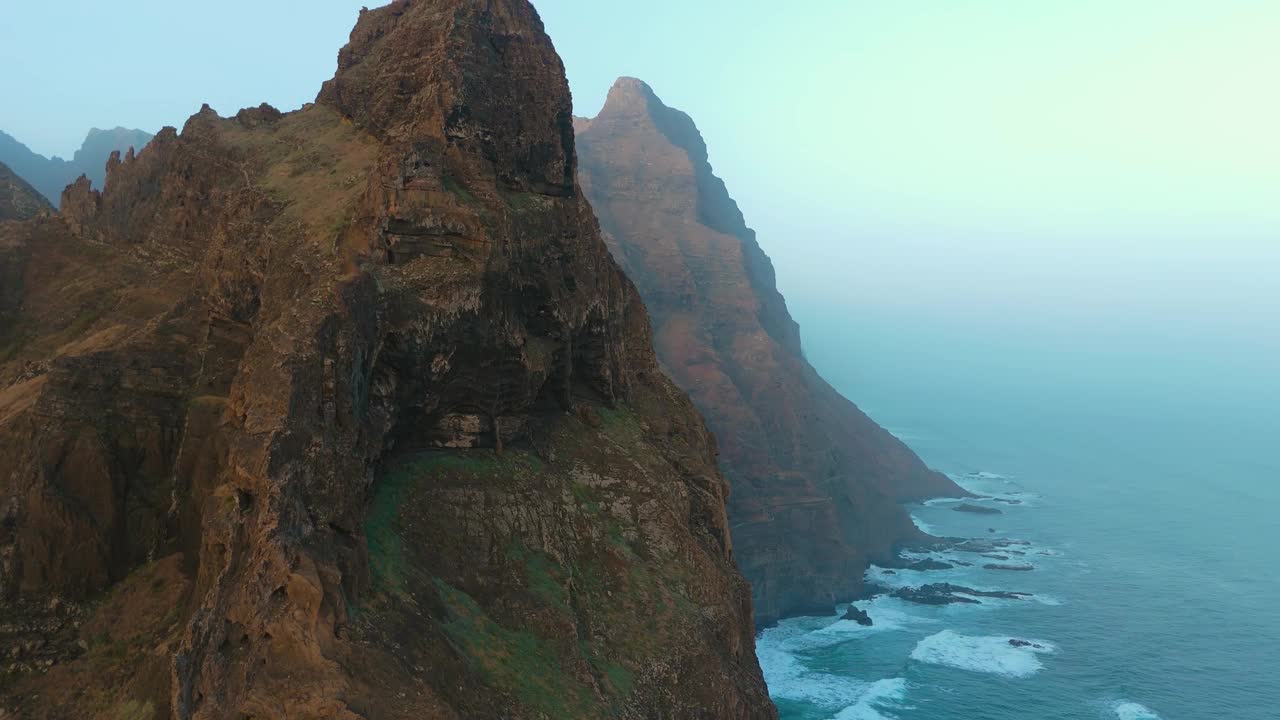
[[348, 413], [816, 483]]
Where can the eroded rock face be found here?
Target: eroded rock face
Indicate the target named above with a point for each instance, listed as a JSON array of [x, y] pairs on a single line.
[[815, 482], [18, 200], [360, 388]]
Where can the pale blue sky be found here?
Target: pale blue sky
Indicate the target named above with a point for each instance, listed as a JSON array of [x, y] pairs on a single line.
[[1110, 167]]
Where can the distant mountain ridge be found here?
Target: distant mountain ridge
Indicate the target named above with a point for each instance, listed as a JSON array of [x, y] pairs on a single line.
[[18, 200], [50, 176], [815, 482]]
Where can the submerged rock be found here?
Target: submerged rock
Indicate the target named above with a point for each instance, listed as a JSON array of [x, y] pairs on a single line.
[[931, 595], [977, 509], [1014, 568], [1025, 643], [929, 564]]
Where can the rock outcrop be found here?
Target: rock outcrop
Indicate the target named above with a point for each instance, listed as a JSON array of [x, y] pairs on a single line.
[[947, 594], [349, 413], [51, 175], [18, 200], [854, 613], [816, 484]]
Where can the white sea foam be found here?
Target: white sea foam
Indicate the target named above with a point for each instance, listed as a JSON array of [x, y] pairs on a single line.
[[924, 526], [1134, 711], [788, 678], [990, 654], [905, 436], [995, 487], [880, 695], [887, 613], [780, 650]]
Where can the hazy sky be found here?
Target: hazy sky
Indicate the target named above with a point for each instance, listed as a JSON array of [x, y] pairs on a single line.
[[1112, 167]]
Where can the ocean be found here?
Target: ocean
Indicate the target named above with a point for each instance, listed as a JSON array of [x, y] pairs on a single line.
[[1147, 503]]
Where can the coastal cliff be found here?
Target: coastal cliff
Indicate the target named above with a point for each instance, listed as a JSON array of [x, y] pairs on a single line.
[[349, 413], [816, 484]]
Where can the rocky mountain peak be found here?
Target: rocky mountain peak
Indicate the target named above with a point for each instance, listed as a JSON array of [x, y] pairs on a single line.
[[629, 95], [348, 413], [635, 122], [815, 482], [459, 113]]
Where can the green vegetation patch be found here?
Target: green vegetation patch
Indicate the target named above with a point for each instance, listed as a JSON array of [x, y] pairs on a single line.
[[620, 424], [517, 662], [134, 710], [463, 194], [545, 577], [394, 488]]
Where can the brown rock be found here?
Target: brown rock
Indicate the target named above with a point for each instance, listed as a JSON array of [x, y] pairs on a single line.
[[18, 200], [815, 482], [332, 360]]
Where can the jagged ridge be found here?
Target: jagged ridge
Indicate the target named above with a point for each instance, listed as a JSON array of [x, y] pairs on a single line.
[[360, 395], [51, 175]]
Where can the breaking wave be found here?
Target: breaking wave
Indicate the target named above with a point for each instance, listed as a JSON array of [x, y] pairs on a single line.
[[989, 654]]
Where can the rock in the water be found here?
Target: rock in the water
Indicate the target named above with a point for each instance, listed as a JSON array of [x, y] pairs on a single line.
[[1025, 643], [929, 564], [859, 616], [1003, 566], [947, 593], [932, 595], [977, 509]]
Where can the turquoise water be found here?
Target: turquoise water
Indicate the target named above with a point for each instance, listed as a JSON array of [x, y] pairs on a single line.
[[1151, 505]]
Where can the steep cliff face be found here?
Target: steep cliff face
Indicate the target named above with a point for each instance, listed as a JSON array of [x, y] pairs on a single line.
[[51, 175], [18, 200], [348, 413], [816, 484]]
